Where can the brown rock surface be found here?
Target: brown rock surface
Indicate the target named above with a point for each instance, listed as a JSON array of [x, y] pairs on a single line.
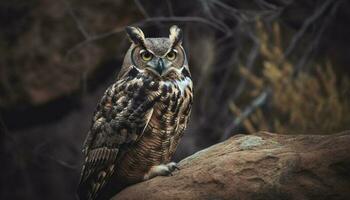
[[40, 61], [260, 166]]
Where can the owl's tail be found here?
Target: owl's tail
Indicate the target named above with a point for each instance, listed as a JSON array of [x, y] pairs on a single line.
[[85, 191]]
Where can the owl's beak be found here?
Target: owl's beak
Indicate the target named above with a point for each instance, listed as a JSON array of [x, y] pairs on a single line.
[[160, 66]]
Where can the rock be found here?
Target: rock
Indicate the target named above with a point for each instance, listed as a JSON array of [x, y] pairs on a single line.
[[260, 166], [40, 61]]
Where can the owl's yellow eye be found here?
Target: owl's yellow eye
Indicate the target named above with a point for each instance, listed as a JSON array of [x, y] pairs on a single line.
[[171, 55], [146, 55]]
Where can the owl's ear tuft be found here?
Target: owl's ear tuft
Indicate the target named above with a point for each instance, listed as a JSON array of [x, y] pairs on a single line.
[[135, 35], [175, 35]]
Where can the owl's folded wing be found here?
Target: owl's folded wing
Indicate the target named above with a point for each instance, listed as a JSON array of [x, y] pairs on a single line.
[[120, 119]]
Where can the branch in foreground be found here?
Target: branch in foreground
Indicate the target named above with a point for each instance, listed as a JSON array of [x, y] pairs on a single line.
[[260, 166]]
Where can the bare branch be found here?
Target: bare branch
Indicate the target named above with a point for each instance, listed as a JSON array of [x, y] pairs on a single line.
[[308, 22], [317, 38], [143, 22], [63, 163], [141, 8], [76, 20], [184, 19], [94, 38], [209, 13], [233, 11], [254, 52], [256, 103], [170, 8]]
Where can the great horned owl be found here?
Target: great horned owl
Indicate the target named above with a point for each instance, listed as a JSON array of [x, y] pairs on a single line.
[[141, 117]]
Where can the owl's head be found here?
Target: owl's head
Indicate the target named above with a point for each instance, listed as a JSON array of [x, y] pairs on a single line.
[[159, 56]]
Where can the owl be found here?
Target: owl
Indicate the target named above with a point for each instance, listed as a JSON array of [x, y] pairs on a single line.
[[140, 118]]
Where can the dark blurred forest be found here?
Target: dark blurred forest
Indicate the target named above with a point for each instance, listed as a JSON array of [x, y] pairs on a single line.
[[276, 65]]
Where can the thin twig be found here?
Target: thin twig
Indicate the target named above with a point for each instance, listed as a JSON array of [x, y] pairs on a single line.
[[233, 11], [318, 36], [265, 4], [143, 22], [63, 163], [184, 19], [40, 152], [308, 22], [207, 10], [94, 38], [141, 8], [76, 20], [253, 54], [256, 103], [248, 125], [170, 8]]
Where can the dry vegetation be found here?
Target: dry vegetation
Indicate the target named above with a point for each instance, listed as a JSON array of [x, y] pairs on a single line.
[[299, 102]]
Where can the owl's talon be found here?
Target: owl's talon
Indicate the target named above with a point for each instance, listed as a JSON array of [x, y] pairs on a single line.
[[161, 170], [172, 166]]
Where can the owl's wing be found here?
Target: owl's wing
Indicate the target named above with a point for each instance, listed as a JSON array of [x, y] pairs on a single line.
[[120, 119]]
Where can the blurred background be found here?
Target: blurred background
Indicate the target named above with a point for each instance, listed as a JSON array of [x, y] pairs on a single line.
[[274, 65]]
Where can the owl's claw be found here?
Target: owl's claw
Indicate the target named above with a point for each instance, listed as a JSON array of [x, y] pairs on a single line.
[[172, 166], [161, 170]]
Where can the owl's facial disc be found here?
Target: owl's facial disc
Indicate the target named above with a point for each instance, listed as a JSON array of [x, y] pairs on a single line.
[[160, 65], [157, 65]]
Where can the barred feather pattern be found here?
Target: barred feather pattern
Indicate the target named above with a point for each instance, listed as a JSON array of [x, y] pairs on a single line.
[[137, 124]]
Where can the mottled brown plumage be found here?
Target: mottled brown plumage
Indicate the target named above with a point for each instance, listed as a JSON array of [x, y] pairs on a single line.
[[140, 119]]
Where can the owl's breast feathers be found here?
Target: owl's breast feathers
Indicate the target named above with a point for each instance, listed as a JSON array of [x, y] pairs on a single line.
[[133, 109]]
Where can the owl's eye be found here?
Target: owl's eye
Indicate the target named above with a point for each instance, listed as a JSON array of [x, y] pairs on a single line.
[[171, 55], [146, 55]]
